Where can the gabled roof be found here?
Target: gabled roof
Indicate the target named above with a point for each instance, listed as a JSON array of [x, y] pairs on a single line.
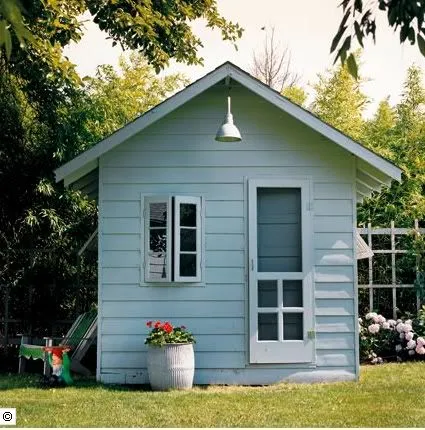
[[382, 170]]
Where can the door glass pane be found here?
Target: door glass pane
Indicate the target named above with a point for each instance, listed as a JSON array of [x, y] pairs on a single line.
[[293, 326], [158, 214], [187, 264], [267, 294], [292, 294], [188, 215], [267, 326], [279, 229], [187, 239]]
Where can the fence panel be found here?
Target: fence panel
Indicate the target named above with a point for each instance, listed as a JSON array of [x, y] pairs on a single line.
[[395, 282]]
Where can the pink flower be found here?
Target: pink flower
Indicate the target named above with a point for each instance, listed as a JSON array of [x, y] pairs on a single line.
[[420, 341], [401, 336], [381, 319], [400, 327], [386, 325], [420, 349], [373, 328], [408, 336], [370, 315], [411, 344], [407, 327], [411, 352], [398, 348], [392, 323]]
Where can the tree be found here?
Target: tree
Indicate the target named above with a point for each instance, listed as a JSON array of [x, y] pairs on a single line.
[[296, 94], [398, 134], [359, 21], [43, 224], [340, 102], [158, 29], [272, 65], [111, 99]]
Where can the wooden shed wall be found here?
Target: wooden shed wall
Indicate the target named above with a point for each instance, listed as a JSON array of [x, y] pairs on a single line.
[[178, 155]]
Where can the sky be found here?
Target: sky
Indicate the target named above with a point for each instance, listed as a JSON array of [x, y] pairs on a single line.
[[305, 27]]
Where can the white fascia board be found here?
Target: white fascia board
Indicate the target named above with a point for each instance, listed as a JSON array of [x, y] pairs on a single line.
[[316, 124], [142, 122]]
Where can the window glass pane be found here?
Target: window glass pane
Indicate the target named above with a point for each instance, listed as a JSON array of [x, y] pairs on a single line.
[[187, 215], [267, 294], [267, 327], [158, 240], [279, 229], [292, 294], [187, 264], [158, 214], [293, 326], [157, 265], [187, 239]]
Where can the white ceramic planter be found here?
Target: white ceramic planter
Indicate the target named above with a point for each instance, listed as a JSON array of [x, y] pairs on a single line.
[[171, 366]]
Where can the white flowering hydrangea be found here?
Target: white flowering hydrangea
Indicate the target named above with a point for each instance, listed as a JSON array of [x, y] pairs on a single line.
[[378, 333], [373, 328], [400, 327], [370, 315], [420, 349], [408, 336]]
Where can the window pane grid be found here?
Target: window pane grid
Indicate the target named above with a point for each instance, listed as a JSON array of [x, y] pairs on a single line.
[[283, 313]]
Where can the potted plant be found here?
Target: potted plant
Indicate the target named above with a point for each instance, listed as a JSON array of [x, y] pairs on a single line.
[[170, 360]]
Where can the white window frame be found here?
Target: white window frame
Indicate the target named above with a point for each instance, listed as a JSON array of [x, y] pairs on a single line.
[[177, 228], [173, 238], [281, 351]]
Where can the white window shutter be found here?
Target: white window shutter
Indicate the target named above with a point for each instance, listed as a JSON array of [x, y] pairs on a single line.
[[157, 238]]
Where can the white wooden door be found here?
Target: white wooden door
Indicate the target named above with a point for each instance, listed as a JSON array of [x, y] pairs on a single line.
[[281, 278]]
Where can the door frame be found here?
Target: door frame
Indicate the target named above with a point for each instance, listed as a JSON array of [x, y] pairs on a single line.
[[269, 351]]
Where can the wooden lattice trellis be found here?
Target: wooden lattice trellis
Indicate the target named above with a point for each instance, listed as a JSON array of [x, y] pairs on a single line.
[[369, 232]]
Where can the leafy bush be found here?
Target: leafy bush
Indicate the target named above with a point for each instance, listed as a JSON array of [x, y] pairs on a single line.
[[382, 339]]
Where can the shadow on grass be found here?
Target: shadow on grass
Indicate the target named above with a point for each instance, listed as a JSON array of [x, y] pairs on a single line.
[[9, 381]]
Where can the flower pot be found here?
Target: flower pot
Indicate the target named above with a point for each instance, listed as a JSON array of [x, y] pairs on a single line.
[[171, 366]]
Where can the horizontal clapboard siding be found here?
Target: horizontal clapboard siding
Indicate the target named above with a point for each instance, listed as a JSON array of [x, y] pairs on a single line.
[[205, 343], [218, 360], [178, 156], [247, 376], [124, 325]]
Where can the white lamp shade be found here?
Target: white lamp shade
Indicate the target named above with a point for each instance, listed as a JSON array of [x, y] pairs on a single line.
[[228, 132]]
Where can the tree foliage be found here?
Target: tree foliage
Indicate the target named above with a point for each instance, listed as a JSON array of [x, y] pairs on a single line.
[[340, 102], [160, 30], [43, 224], [296, 94], [359, 22], [399, 135]]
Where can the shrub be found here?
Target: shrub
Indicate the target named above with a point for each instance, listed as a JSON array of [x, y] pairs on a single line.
[[382, 339]]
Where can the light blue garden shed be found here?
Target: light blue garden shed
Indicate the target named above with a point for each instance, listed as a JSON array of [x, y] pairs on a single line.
[[249, 244]]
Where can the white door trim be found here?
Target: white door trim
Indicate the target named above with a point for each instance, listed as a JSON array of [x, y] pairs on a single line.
[[289, 351]]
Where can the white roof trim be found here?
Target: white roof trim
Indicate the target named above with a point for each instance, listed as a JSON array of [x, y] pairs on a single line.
[[225, 70]]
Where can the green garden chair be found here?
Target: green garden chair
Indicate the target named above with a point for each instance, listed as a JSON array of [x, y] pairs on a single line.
[[79, 338]]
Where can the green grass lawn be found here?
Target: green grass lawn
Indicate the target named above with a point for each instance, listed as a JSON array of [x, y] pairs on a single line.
[[391, 395]]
